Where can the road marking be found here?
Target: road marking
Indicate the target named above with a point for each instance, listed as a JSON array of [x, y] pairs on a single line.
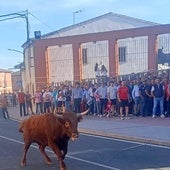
[[93, 163], [132, 147], [128, 141], [68, 156]]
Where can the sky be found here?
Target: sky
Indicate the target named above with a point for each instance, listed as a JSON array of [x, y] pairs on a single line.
[[51, 15]]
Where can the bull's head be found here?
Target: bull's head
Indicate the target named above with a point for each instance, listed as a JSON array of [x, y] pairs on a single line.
[[70, 122]]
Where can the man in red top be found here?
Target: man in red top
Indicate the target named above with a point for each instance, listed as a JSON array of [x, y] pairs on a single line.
[[123, 98], [21, 101]]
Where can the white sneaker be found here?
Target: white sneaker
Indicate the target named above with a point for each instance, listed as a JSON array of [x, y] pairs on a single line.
[[153, 116], [162, 116]]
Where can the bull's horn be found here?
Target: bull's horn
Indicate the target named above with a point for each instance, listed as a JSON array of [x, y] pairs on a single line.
[[59, 116], [82, 113]]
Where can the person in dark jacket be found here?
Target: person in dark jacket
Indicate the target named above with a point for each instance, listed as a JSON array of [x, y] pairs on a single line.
[[158, 92]]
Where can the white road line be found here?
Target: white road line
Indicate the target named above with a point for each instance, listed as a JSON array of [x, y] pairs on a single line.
[[71, 157], [132, 147], [140, 143], [90, 162]]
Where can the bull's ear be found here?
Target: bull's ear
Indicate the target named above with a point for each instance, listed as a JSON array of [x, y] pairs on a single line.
[[67, 124]]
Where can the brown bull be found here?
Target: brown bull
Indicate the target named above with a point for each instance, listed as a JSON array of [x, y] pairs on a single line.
[[50, 130]]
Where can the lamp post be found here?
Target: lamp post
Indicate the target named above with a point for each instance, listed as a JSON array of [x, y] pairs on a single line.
[[20, 67], [74, 15], [15, 50]]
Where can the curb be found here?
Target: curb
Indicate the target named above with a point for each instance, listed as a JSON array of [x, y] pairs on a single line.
[[124, 137], [112, 135]]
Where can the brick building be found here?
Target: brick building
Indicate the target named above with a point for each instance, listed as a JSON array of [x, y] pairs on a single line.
[[122, 44], [5, 81]]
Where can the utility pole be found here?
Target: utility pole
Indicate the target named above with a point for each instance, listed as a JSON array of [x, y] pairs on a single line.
[[22, 14], [27, 24]]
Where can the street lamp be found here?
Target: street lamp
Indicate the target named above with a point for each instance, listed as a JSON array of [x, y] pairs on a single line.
[[74, 14], [15, 50], [21, 65]]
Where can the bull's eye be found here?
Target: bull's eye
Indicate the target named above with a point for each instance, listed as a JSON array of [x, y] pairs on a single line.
[[67, 124]]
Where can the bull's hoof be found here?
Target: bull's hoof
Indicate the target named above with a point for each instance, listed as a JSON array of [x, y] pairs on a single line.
[[49, 162], [23, 163], [64, 168]]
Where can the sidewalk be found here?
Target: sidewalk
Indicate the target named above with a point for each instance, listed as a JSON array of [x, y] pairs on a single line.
[[139, 129]]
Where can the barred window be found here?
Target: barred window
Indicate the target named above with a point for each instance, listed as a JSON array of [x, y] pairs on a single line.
[[122, 54], [84, 55]]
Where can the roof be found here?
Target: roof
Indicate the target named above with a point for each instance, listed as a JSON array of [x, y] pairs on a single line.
[[4, 71], [107, 22]]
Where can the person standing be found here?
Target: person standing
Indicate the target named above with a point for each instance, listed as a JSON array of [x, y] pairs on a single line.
[[14, 99], [29, 98], [54, 98], [168, 100], [158, 92], [38, 101], [77, 94], [149, 98], [68, 99], [96, 70], [137, 98], [97, 103], [144, 97], [112, 96], [123, 98], [3, 106], [21, 101], [61, 99], [102, 92], [47, 98]]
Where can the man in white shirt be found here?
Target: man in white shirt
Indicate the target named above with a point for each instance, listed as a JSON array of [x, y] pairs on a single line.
[[112, 95], [137, 98]]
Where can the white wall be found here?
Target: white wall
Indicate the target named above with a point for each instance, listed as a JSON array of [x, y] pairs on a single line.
[[60, 63], [136, 55]]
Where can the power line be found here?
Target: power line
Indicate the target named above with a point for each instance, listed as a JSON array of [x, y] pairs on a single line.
[[22, 14], [41, 21], [9, 18], [15, 13]]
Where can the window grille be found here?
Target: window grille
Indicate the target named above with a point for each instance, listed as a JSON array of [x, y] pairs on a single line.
[[122, 54], [84, 55]]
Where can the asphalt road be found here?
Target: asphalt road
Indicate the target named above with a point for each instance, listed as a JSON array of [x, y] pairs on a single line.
[[87, 153]]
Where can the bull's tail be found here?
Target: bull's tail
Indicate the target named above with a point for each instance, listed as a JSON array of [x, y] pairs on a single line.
[[21, 126]]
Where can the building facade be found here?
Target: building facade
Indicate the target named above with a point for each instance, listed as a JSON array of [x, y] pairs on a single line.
[[5, 81], [131, 47], [16, 81]]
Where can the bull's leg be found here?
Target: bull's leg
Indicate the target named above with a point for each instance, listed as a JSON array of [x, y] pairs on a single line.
[[64, 150], [26, 147], [57, 151], [47, 159]]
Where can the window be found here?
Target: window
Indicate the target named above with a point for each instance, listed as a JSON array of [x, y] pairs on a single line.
[[122, 54], [84, 55]]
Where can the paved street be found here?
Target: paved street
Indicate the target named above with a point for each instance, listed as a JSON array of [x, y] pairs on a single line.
[[89, 152], [140, 129]]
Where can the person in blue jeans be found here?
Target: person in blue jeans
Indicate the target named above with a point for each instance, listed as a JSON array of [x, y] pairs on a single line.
[[158, 92], [3, 106]]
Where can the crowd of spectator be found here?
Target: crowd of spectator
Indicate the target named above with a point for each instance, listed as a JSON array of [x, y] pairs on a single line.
[[139, 96]]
